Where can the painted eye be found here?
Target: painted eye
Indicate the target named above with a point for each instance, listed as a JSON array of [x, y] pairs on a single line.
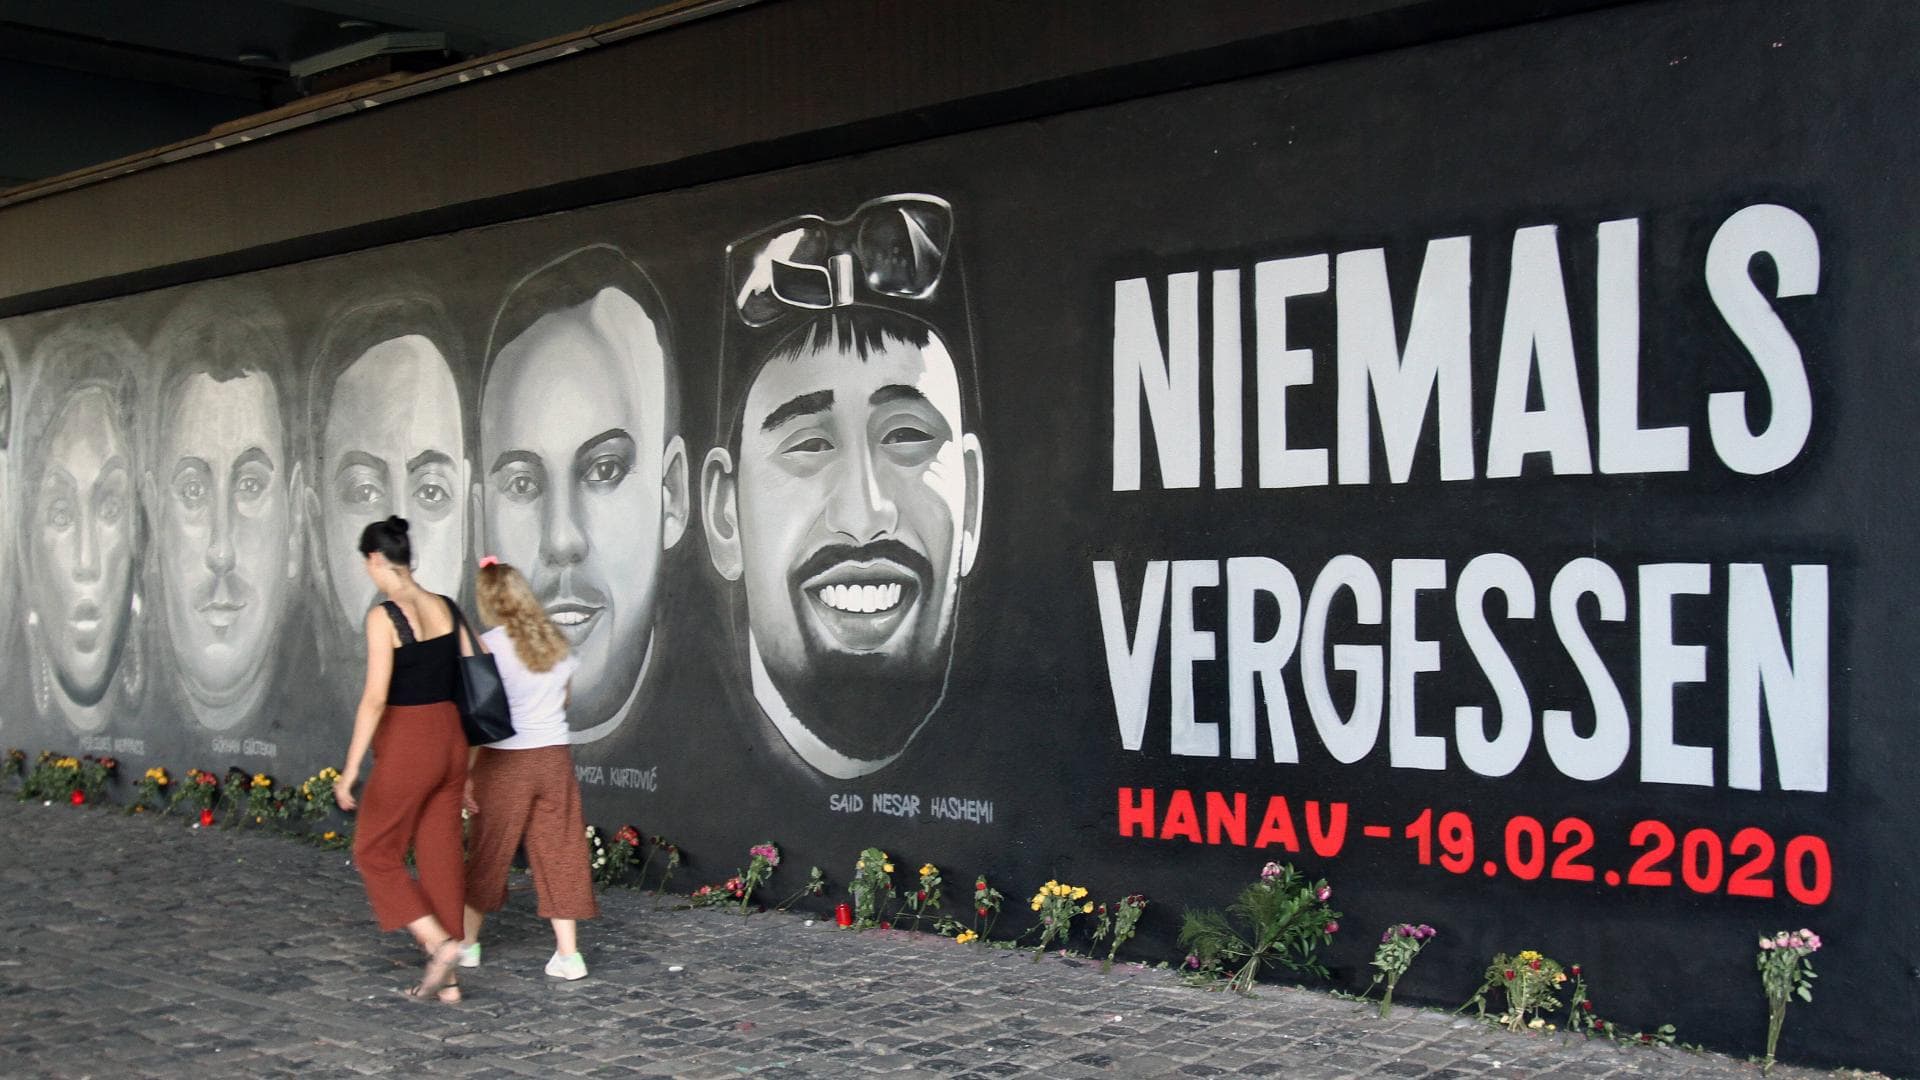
[[520, 486], [364, 494], [431, 495], [606, 471], [905, 434], [814, 445], [249, 488], [59, 514], [112, 507], [191, 491]]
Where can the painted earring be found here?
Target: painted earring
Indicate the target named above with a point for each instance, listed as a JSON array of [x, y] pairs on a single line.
[[37, 663], [133, 656]]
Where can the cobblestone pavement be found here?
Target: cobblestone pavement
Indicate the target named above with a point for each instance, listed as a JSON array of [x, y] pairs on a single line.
[[141, 947]]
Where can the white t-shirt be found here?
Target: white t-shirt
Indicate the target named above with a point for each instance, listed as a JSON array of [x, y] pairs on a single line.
[[538, 699]]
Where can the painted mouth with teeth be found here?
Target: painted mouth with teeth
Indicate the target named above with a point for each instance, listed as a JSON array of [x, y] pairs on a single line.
[[84, 624], [575, 619], [862, 599], [861, 605]]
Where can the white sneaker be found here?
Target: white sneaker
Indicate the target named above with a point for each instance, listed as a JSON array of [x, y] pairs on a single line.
[[567, 967], [470, 955]]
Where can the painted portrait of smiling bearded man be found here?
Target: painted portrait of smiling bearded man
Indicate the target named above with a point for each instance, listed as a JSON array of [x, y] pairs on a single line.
[[847, 496], [583, 473]]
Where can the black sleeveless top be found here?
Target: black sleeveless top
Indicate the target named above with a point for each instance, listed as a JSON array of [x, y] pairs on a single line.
[[423, 671]]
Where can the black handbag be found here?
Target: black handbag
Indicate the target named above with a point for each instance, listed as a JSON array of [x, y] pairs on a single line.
[[479, 693], [477, 690]]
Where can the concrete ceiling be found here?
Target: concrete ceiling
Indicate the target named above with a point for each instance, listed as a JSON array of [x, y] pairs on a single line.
[[86, 81]]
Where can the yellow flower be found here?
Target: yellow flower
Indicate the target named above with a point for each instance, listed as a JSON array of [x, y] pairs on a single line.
[[1086, 908], [928, 870], [1559, 977], [886, 868], [965, 936], [1528, 956], [860, 864], [329, 835], [260, 780], [1036, 905], [1079, 893]]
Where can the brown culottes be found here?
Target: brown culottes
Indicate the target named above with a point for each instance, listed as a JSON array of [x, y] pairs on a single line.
[[531, 797], [412, 799]]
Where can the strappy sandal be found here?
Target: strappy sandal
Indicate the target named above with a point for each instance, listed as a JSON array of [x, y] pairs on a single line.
[[439, 974]]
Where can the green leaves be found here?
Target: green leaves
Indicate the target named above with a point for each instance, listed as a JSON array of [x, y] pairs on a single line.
[[1286, 918]]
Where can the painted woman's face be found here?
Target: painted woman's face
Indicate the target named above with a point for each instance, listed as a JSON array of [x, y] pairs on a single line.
[[7, 557], [393, 445], [80, 543]]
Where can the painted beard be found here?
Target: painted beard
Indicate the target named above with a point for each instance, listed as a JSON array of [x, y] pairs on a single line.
[[873, 670]]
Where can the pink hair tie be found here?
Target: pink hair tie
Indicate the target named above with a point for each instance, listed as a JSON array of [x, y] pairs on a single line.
[[488, 560]]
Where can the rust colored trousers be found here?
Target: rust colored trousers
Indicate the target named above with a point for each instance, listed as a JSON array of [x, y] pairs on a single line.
[[530, 796], [412, 800]]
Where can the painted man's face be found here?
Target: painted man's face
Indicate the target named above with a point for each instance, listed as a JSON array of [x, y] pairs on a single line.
[[857, 501], [81, 535], [393, 445], [583, 490], [224, 520]]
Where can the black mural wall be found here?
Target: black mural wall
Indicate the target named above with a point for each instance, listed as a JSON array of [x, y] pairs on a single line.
[[1480, 474]]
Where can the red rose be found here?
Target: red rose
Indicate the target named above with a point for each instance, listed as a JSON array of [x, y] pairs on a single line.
[[206, 817], [982, 887], [922, 894], [1509, 974], [1587, 1005], [1574, 970], [77, 798], [983, 912], [886, 926], [1535, 965]]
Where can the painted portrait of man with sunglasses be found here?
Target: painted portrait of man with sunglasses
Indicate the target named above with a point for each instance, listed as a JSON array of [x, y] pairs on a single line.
[[846, 496]]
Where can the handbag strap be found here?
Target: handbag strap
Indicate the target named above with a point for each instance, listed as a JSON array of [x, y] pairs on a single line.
[[400, 625], [460, 627]]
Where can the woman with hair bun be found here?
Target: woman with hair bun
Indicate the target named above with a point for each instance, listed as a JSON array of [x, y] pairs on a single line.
[[523, 785], [408, 717]]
